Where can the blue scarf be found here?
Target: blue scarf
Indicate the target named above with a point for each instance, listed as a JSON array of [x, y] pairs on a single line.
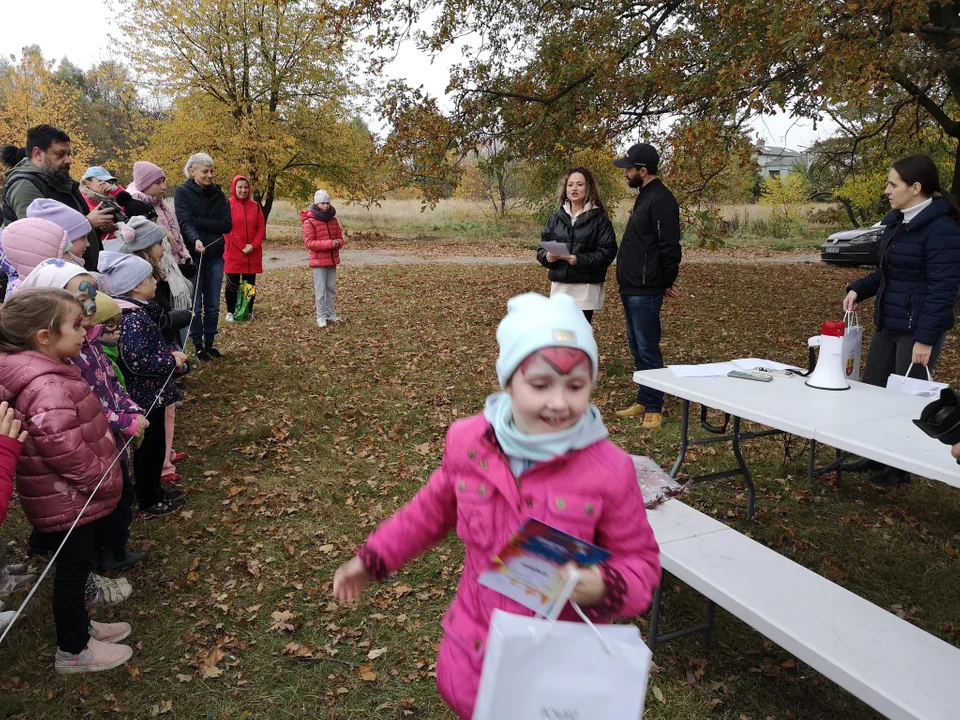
[[524, 450]]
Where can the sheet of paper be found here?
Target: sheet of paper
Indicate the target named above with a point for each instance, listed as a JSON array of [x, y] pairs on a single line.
[[705, 370], [755, 363], [557, 248]]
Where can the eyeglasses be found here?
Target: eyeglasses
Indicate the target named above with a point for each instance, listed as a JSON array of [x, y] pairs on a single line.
[[90, 307]]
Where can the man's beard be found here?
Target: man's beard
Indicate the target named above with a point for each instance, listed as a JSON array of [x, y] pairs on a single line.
[[58, 172], [635, 182]]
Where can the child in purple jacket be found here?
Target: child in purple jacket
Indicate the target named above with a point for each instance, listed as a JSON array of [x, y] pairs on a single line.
[[539, 450], [148, 364]]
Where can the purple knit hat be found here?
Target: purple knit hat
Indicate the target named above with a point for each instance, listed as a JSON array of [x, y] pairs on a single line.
[[146, 174], [66, 218]]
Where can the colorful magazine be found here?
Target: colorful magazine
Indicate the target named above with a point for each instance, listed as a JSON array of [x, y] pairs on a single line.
[[527, 570]]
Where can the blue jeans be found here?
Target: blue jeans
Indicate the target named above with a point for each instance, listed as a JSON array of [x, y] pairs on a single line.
[[206, 306], [643, 334]]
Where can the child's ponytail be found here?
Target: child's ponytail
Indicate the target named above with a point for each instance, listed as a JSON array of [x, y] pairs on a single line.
[[31, 310]]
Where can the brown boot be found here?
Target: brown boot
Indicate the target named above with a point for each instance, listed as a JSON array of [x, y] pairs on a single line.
[[634, 410], [651, 421]]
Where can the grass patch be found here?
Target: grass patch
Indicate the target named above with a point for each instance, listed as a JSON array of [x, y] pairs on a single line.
[[302, 440]]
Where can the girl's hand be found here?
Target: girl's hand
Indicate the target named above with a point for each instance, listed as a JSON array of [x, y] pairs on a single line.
[[199, 246], [247, 249], [350, 580], [142, 424], [10, 426], [551, 257], [571, 259], [921, 354], [180, 357], [850, 303], [336, 244], [590, 589]]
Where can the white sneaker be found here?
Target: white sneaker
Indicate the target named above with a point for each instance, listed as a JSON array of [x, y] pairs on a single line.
[[321, 322], [6, 618], [335, 319], [229, 317]]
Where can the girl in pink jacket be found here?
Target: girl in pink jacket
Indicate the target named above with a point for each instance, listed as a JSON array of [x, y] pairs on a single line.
[[539, 450], [67, 475]]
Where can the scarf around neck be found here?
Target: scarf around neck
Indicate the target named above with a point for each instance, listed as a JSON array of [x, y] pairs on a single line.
[[529, 449], [323, 215]]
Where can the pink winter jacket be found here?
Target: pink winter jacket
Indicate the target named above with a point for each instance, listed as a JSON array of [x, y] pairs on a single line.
[[29, 242], [590, 493], [69, 445]]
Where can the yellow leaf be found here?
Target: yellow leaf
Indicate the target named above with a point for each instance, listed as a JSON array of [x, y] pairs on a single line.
[[366, 673]]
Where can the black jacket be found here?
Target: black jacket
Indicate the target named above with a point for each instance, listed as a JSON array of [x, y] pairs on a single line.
[[592, 240], [918, 278], [204, 218], [649, 259]]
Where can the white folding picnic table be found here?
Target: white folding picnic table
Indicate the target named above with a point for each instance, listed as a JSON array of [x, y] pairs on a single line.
[[865, 420]]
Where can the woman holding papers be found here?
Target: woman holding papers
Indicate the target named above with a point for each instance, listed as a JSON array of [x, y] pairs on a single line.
[[578, 243], [915, 285]]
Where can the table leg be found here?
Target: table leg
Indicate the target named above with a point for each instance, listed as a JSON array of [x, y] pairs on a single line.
[[812, 466], [684, 437], [655, 615], [751, 490]]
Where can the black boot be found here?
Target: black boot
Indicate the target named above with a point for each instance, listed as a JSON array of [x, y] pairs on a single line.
[[212, 351], [202, 354], [121, 559]]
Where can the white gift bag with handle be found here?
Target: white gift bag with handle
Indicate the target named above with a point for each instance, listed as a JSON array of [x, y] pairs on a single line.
[[914, 386], [852, 345], [536, 668]]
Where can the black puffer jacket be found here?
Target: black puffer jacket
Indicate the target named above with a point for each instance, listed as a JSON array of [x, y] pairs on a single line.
[[204, 217], [919, 275], [591, 240]]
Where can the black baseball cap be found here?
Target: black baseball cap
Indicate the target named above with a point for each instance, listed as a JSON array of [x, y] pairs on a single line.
[[639, 155]]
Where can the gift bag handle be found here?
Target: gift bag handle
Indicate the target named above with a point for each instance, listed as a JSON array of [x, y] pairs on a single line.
[[567, 590], [851, 318], [925, 367]]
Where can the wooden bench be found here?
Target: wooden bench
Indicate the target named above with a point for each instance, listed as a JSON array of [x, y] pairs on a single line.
[[895, 667]]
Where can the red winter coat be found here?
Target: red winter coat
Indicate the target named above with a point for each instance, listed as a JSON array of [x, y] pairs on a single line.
[[590, 493], [69, 446], [318, 236], [9, 454], [249, 227]]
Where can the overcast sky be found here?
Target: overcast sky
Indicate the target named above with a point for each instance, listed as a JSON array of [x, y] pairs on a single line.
[[81, 29]]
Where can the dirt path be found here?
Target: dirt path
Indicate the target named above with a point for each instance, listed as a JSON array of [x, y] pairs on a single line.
[[276, 259]]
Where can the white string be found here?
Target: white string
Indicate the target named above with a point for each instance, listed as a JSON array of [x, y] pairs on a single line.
[[66, 537]]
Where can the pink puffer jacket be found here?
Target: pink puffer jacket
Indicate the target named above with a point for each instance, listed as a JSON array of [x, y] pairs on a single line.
[[590, 493], [69, 446]]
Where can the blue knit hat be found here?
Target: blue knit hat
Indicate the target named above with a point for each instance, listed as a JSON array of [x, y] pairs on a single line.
[[535, 322]]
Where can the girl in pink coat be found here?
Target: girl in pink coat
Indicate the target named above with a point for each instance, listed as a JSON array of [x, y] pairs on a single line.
[[67, 475], [539, 450]]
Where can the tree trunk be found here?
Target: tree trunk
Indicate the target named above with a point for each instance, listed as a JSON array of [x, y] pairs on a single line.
[[955, 186], [268, 197]]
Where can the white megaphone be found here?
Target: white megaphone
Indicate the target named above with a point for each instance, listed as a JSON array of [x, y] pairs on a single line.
[[828, 373]]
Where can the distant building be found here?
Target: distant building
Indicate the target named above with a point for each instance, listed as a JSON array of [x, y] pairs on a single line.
[[775, 161]]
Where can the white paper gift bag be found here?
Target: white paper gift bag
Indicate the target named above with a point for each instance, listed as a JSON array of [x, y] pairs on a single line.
[[914, 386], [852, 345], [536, 668]]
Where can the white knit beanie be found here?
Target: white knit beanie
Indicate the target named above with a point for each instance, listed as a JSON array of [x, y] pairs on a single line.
[[321, 196], [123, 272], [535, 322]]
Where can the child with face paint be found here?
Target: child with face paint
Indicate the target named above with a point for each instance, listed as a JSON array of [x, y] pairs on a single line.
[[539, 450]]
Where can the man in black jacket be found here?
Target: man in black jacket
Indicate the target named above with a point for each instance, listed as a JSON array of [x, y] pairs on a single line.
[[45, 173], [647, 267]]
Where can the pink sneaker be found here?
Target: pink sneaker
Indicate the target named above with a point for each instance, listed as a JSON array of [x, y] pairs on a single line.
[[95, 657], [109, 632]]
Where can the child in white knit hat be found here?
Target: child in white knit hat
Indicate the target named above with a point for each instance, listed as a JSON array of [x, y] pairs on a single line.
[[538, 450], [323, 238]]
